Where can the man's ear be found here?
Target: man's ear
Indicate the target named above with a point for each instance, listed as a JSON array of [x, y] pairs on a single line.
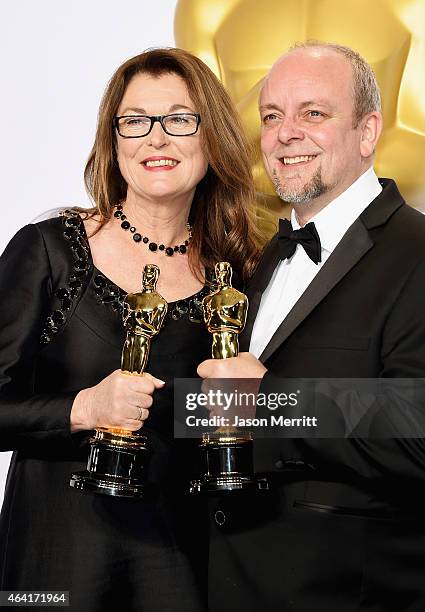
[[371, 128]]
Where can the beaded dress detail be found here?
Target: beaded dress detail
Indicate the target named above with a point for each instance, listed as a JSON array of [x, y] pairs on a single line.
[[65, 297]]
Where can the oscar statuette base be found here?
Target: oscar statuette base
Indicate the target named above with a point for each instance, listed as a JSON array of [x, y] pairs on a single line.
[[228, 464], [116, 465]]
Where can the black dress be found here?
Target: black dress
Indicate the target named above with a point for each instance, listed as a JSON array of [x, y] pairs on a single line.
[[61, 331]]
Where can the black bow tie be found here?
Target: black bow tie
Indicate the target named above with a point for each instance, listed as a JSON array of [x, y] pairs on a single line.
[[307, 237]]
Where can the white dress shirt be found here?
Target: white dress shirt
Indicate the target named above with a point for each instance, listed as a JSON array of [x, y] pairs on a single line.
[[292, 276]]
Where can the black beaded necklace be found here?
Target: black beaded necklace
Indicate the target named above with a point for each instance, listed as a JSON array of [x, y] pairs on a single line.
[[152, 246]]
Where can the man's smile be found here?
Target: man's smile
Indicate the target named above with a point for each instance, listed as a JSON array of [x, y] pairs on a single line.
[[298, 160]]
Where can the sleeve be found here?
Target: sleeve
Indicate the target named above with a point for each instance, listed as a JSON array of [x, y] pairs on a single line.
[[25, 294], [392, 446]]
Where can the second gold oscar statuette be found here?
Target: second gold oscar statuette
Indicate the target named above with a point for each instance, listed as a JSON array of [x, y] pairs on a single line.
[[227, 452], [118, 458]]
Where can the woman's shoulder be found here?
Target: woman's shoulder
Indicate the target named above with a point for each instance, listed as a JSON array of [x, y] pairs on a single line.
[[64, 234], [52, 235], [66, 243], [57, 224]]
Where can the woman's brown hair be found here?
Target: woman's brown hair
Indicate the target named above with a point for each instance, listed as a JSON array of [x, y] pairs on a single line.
[[221, 213]]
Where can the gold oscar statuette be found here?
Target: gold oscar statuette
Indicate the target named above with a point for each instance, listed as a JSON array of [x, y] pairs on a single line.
[[225, 313], [118, 458], [227, 452]]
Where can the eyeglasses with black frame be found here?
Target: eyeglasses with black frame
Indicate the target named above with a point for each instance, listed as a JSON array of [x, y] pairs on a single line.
[[176, 124]]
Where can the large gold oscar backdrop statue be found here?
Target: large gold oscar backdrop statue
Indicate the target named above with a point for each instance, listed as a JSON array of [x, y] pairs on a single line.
[[240, 39], [118, 458]]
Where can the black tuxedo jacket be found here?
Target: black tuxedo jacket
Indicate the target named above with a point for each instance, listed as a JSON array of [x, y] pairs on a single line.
[[343, 528]]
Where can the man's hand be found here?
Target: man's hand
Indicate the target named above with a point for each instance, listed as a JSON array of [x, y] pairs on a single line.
[[245, 365]]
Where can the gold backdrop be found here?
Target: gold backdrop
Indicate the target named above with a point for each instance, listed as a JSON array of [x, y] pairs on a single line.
[[240, 39]]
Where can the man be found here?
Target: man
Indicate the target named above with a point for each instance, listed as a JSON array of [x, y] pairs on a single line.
[[338, 295]]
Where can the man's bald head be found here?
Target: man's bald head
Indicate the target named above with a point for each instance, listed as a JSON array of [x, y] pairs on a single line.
[[366, 94]]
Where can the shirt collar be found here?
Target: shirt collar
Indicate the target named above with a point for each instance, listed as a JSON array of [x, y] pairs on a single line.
[[334, 220]]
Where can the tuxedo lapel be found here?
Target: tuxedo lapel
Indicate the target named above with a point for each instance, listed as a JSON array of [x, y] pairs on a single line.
[[256, 287], [355, 243]]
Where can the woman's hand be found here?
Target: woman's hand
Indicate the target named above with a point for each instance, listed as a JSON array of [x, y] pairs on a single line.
[[119, 400]]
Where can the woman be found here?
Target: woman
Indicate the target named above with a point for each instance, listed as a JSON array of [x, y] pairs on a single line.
[[169, 174]]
